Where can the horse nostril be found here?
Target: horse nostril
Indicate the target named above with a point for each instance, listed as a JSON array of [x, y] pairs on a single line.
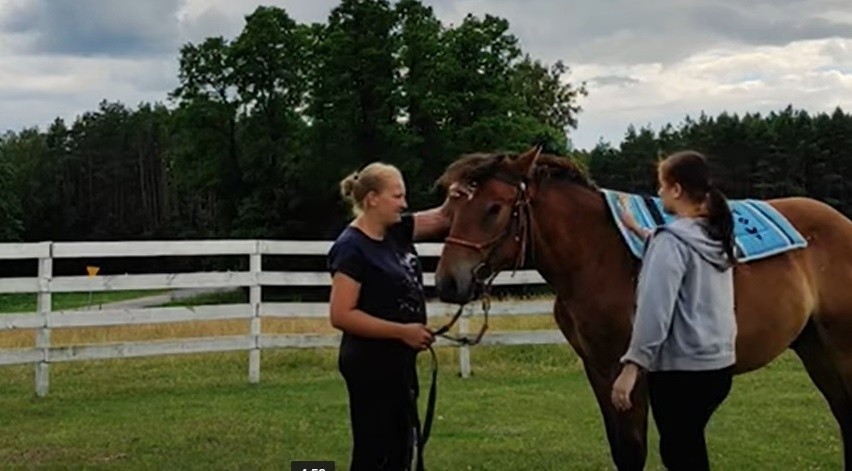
[[481, 272], [446, 287], [452, 287]]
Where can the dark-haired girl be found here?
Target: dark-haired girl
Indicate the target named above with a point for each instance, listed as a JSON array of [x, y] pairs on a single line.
[[684, 328]]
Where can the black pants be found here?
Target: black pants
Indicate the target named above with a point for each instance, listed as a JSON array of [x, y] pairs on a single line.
[[383, 414], [682, 403]]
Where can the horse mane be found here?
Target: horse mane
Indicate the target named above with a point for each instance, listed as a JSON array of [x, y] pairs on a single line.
[[477, 167]]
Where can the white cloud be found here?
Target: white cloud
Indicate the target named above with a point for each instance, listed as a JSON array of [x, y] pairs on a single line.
[[62, 86], [590, 31], [204, 18], [651, 62], [93, 27], [811, 75]]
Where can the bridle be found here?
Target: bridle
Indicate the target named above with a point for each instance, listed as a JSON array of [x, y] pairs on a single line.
[[519, 228]]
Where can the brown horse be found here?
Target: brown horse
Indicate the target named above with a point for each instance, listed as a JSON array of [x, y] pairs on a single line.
[[544, 209]]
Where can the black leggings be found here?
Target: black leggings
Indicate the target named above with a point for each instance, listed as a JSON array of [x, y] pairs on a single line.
[[682, 403], [383, 415]]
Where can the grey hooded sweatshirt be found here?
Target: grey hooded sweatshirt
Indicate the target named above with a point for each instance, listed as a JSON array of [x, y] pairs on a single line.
[[684, 316]]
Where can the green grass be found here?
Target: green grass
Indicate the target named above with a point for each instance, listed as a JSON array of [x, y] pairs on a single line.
[[26, 302], [525, 407], [227, 297], [230, 297]]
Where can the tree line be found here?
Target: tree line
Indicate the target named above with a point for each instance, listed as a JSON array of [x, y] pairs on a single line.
[[786, 152], [262, 126]]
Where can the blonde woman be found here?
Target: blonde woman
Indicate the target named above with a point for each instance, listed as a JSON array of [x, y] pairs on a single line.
[[377, 301]]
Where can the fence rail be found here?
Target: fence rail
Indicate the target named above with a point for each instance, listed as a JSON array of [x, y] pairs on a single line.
[[44, 320]]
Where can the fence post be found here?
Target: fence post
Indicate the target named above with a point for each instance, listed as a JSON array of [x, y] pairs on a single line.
[[254, 301], [464, 350], [44, 305]]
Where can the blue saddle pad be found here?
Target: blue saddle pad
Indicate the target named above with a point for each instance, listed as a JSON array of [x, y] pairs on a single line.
[[760, 231]]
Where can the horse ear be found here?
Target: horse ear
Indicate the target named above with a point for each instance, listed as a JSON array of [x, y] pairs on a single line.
[[524, 162]]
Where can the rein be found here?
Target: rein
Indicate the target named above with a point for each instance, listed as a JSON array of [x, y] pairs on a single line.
[[519, 228]]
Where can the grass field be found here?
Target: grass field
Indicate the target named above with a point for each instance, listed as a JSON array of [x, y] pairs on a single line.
[[524, 408], [26, 302]]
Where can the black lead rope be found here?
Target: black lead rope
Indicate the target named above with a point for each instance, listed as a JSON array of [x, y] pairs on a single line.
[[423, 435], [430, 408], [446, 327]]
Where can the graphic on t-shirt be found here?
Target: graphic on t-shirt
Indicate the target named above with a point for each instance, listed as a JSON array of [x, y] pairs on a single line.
[[409, 261], [410, 304]]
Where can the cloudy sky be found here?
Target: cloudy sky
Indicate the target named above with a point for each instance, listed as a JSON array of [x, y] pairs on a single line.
[[645, 63]]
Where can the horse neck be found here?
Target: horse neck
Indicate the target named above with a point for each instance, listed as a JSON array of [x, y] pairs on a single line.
[[576, 246]]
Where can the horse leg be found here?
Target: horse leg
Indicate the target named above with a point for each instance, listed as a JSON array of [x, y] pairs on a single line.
[[626, 431], [833, 378]]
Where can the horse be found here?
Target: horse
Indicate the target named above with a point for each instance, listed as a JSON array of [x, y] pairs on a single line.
[[544, 211]]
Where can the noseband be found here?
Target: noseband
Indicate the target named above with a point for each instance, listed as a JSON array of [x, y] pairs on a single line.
[[518, 228]]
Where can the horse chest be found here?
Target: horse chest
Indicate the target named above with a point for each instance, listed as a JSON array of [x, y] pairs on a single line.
[[592, 334]]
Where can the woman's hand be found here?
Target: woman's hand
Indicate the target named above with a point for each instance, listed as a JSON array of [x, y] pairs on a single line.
[[623, 387], [626, 217], [435, 223], [416, 336], [628, 220], [456, 191], [459, 190]]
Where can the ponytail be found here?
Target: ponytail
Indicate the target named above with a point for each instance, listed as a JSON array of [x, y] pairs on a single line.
[[690, 170], [721, 221]]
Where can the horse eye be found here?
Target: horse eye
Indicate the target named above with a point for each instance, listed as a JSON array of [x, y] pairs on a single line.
[[494, 209]]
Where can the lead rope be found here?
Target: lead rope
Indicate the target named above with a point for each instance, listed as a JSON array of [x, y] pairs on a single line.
[[422, 436], [524, 232]]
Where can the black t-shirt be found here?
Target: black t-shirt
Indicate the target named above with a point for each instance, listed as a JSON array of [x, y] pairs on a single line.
[[391, 279]]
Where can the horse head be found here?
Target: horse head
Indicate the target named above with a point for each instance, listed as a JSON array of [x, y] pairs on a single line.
[[489, 231]]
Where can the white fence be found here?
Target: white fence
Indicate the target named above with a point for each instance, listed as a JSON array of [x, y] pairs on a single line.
[[45, 320]]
